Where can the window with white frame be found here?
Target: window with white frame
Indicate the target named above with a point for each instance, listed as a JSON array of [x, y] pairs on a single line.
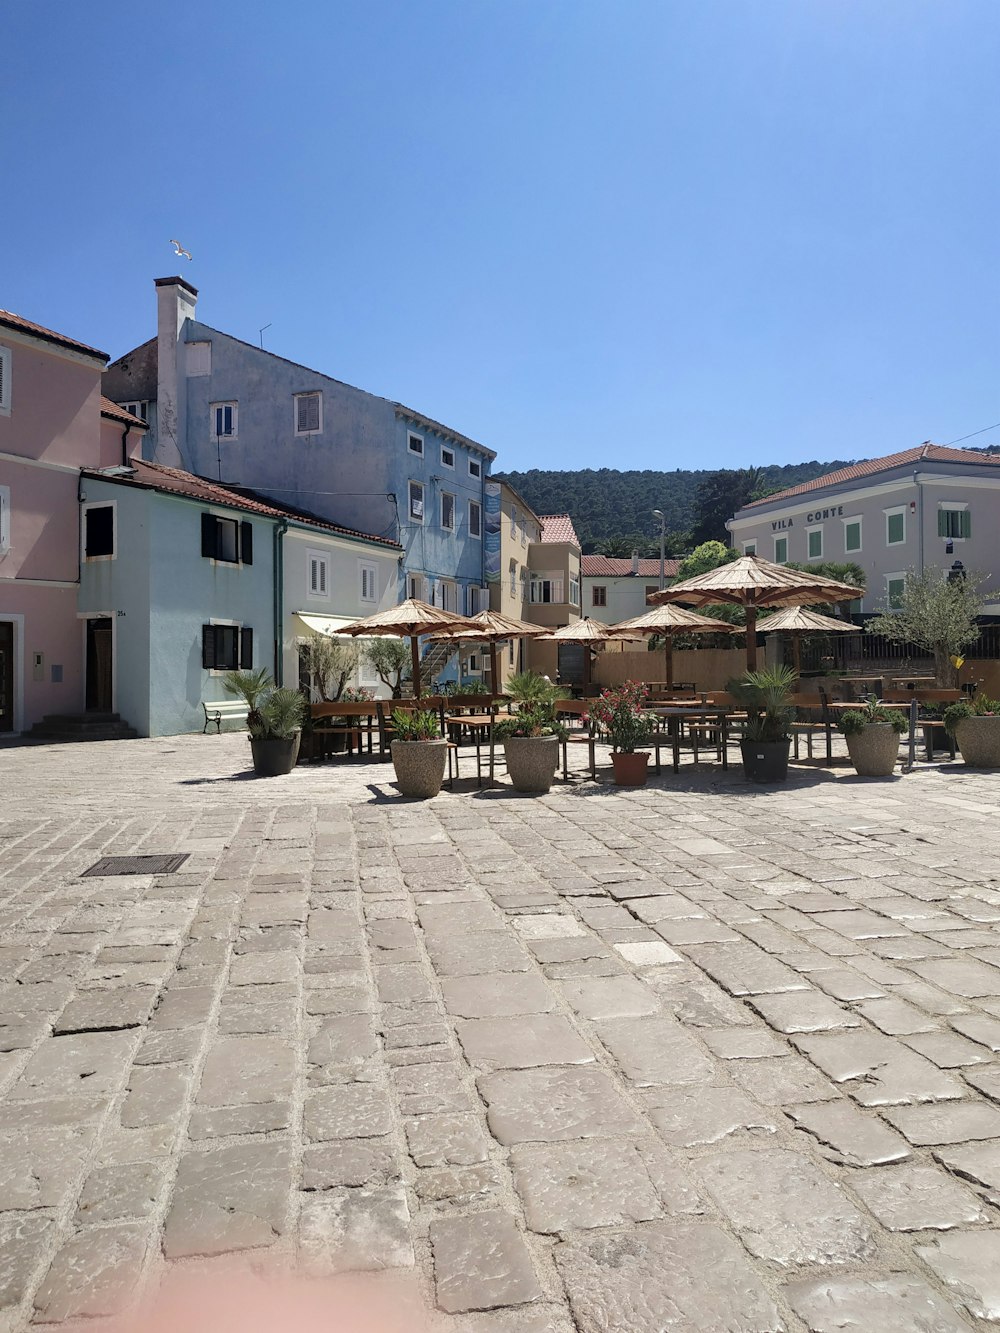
[[319, 574], [449, 596], [447, 511], [447, 457], [513, 522], [524, 584], [226, 540], [416, 504], [513, 578], [223, 419], [475, 468], [368, 575], [4, 519], [474, 664], [599, 595], [415, 443], [139, 408], [367, 675], [416, 589], [5, 385], [895, 586], [475, 519], [226, 646], [895, 526], [574, 592], [547, 589], [852, 535], [954, 522], [749, 548], [308, 413], [780, 550], [99, 523], [814, 543]]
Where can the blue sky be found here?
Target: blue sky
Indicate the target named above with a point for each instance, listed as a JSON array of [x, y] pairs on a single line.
[[628, 233]]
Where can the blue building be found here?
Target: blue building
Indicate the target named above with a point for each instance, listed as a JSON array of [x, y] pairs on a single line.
[[226, 410]]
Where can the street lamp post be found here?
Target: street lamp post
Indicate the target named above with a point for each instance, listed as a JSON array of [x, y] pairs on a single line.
[[658, 513]]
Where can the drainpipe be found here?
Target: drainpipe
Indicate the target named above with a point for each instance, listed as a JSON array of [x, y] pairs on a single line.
[[280, 528], [125, 447], [920, 522]]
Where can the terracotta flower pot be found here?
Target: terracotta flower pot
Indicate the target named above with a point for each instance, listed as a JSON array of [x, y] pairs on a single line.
[[531, 761], [874, 750], [978, 739], [630, 769], [419, 767]]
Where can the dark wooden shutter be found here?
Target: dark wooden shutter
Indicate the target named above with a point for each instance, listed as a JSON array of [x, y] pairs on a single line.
[[246, 649], [209, 544], [966, 522], [246, 543], [208, 647]]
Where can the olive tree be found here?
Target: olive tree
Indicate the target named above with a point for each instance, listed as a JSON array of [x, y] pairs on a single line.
[[388, 658], [937, 613], [329, 663]]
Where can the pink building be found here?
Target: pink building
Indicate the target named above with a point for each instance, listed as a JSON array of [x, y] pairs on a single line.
[[53, 421]]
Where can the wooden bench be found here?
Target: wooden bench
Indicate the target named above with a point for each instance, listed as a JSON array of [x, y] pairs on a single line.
[[223, 710]]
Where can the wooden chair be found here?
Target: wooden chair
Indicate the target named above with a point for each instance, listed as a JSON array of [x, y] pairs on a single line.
[[808, 726], [352, 721], [579, 709]]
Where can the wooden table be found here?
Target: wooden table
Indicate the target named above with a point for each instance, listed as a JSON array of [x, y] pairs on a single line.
[[676, 714]]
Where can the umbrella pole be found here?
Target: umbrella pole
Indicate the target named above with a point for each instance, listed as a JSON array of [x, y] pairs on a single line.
[[668, 659], [751, 638], [494, 687], [797, 654], [415, 658]]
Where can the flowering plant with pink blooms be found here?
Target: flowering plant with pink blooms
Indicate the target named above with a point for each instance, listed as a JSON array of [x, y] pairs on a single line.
[[620, 714]]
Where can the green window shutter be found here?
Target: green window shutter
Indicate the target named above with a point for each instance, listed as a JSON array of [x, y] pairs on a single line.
[[895, 529], [815, 545], [942, 522], [966, 520], [246, 543]]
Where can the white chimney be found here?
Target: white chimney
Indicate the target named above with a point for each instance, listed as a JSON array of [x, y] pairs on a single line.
[[635, 561], [175, 302]]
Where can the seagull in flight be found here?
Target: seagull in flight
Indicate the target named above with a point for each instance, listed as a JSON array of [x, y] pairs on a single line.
[[179, 249]]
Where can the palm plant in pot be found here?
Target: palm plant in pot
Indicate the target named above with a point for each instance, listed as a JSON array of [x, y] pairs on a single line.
[[418, 752], [274, 720], [872, 732], [531, 736], [621, 717], [766, 694], [975, 724]]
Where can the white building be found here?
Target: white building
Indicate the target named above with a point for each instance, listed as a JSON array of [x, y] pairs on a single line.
[[616, 590]]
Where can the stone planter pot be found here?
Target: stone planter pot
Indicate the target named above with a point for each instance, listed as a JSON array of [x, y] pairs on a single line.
[[531, 761], [630, 769], [978, 739], [765, 761], [874, 750], [274, 756], [419, 767]]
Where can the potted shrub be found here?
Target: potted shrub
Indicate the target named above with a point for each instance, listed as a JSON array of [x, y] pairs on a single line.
[[621, 717], [274, 720], [766, 695], [418, 752], [531, 736], [975, 724], [872, 732]]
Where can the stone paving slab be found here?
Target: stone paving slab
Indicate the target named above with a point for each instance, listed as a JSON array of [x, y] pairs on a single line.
[[684, 1057]]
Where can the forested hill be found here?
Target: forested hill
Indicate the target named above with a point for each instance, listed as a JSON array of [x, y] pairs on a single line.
[[611, 506]]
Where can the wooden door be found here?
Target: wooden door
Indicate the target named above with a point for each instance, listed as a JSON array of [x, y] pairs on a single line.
[[99, 665]]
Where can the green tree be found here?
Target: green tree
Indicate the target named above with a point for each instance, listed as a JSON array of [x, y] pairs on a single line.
[[388, 658], [328, 662], [708, 556], [937, 614], [718, 498]]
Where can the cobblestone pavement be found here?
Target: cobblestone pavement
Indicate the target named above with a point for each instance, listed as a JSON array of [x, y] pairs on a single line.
[[693, 1057]]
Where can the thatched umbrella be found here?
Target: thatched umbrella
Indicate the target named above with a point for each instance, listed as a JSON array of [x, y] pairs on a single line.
[[669, 620], [796, 621], [492, 628], [587, 632], [753, 582], [409, 620]]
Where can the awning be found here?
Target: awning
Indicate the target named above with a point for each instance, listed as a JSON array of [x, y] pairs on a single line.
[[327, 625]]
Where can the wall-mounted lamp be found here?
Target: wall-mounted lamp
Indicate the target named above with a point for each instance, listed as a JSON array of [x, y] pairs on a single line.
[[913, 506]]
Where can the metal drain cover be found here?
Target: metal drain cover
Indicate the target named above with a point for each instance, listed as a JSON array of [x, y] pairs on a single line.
[[138, 865]]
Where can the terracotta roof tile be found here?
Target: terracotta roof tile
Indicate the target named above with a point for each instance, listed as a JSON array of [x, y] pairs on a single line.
[[604, 566], [869, 467], [154, 476], [9, 320], [558, 528], [118, 413]]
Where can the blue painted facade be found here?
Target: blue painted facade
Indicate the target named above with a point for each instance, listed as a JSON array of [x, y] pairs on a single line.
[[346, 457]]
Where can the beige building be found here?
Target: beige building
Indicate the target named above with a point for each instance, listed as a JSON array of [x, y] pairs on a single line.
[[926, 507], [534, 575]]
